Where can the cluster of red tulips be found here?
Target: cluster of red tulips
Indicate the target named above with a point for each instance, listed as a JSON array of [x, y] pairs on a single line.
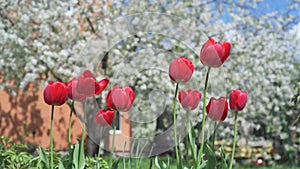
[[213, 55], [118, 98], [57, 93]]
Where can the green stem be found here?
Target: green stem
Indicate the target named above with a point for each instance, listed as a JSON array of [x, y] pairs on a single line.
[[187, 137], [175, 127], [214, 135], [204, 114], [113, 144], [81, 151], [99, 149], [151, 163], [70, 124], [123, 158], [51, 138], [234, 138]]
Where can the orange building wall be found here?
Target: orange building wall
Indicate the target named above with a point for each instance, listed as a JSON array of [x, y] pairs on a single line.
[[121, 139], [26, 119]]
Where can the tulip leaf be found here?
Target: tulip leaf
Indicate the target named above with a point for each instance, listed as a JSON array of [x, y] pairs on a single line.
[[212, 160], [61, 166], [78, 156], [160, 164], [44, 158], [81, 158], [70, 156], [115, 163], [223, 158], [75, 156], [192, 143], [203, 165]]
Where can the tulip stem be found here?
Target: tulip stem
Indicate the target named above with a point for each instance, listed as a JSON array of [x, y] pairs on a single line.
[[70, 124], [81, 149], [214, 135], [99, 149], [204, 114], [51, 138], [113, 144], [187, 136], [234, 138], [175, 127]]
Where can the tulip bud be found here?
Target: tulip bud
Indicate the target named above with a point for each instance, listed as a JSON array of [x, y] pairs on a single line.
[[214, 54], [217, 109], [120, 98], [104, 117], [73, 92], [88, 86], [238, 99], [56, 93], [189, 99], [181, 69]]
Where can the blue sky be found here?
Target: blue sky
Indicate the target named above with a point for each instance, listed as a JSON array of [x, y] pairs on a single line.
[[267, 6], [263, 7], [272, 5]]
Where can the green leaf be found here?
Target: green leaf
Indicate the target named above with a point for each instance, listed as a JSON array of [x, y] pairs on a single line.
[[78, 156], [194, 148], [75, 156], [44, 158], [115, 163], [160, 164], [68, 160], [223, 158], [203, 165], [81, 158], [156, 162], [212, 160], [61, 166]]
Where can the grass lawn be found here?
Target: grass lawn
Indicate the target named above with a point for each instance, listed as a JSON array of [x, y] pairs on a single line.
[[265, 167], [145, 164]]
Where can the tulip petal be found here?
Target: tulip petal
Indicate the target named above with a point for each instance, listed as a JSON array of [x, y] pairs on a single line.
[[181, 69], [238, 99], [55, 93], [226, 51], [88, 73], [189, 99], [72, 91], [214, 54], [217, 109], [120, 98], [104, 117], [101, 86], [86, 86], [242, 100], [233, 99]]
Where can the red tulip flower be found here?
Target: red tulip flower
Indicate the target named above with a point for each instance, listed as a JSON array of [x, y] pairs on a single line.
[[238, 99], [73, 92], [104, 117], [217, 109], [88, 86], [214, 54], [181, 69], [56, 93], [189, 99], [120, 98]]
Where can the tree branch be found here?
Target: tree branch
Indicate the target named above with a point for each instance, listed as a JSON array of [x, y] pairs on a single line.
[[52, 72], [92, 27]]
